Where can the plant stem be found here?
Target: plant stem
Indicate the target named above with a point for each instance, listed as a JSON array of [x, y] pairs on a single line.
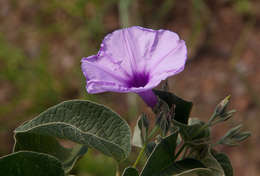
[[153, 132], [117, 170], [151, 135], [212, 117], [139, 156]]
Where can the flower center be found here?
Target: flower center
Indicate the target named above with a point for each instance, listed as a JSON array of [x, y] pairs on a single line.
[[138, 80]]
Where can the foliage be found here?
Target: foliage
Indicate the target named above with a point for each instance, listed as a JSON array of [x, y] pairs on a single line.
[[90, 125], [83, 122]]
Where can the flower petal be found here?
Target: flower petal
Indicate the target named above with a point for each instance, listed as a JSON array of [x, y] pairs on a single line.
[[128, 54], [101, 69], [95, 86], [170, 64], [131, 47], [140, 49]]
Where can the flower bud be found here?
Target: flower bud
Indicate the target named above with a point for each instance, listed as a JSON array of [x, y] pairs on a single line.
[[222, 106], [234, 136]]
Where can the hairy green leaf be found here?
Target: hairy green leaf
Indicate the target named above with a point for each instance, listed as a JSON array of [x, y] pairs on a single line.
[[224, 162], [162, 157], [204, 155], [85, 123], [25, 163], [49, 145], [189, 167]]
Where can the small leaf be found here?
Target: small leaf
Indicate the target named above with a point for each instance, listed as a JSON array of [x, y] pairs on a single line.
[[161, 161], [224, 162], [162, 156], [25, 163], [140, 131], [49, 145], [189, 167], [182, 107], [137, 138], [85, 123], [130, 172], [204, 155]]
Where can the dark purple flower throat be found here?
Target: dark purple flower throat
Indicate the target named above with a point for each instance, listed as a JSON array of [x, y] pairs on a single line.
[[138, 80]]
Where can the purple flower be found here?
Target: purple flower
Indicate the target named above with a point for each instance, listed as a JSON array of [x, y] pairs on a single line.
[[135, 59]]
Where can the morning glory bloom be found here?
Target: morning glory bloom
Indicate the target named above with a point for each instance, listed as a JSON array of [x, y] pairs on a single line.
[[134, 59]]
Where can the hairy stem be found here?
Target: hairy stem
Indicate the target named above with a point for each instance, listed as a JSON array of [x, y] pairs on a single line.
[[141, 153]]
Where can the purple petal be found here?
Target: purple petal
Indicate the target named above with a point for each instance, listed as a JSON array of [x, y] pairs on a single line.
[[171, 64], [100, 72], [149, 98], [160, 53], [134, 59]]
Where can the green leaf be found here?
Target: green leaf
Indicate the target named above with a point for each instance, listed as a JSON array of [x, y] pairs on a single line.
[[130, 172], [224, 162], [191, 132], [49, 145], [204, 155], [137, 137], [189, 167], [162, 156], [182, 107], [25, 163], [186, 167], [195, 172], [140, 131], [85, 123]]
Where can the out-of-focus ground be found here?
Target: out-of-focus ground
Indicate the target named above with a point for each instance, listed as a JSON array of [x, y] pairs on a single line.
[[42, 42]]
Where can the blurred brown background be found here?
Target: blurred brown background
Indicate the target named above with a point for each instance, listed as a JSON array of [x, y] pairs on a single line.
[[42, 42]]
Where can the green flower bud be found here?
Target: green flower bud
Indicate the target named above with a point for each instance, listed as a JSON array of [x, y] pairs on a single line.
[[222, 107], [234, 136]]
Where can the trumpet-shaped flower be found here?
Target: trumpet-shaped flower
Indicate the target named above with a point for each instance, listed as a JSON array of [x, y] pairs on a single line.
[[134, 59]]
